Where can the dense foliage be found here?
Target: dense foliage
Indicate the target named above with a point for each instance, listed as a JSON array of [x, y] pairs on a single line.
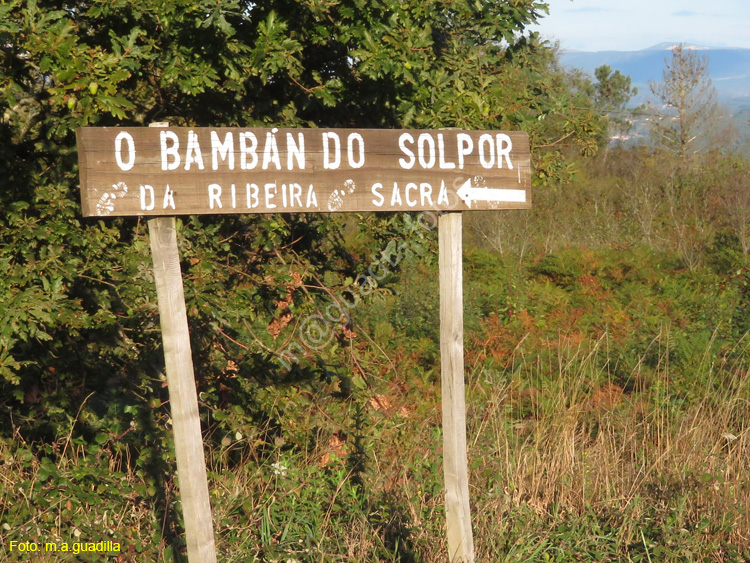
[[80, 309], [313, 380]]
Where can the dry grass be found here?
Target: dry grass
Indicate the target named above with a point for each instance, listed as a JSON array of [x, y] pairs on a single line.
[[645, 459], [567, 464]]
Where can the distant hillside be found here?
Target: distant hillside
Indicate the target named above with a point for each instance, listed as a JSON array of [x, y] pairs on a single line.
[[729, 68]]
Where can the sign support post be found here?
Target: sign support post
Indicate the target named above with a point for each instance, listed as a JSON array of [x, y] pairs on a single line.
[[183, 397], [455, 464]]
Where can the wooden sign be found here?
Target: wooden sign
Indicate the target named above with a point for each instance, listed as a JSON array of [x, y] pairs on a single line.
[[186, 171], [162, 172]]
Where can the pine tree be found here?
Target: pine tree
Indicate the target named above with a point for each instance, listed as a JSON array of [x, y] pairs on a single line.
[[688, 100], [613, 92]]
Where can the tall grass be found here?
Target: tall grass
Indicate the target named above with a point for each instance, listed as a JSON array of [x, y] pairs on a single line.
[[573, 465], [568, 463]]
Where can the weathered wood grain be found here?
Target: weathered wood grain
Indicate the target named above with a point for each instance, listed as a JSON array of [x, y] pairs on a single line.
[[183, 399], [455, 463], [180, 171]]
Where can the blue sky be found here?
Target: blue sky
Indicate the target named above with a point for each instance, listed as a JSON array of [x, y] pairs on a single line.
[[631, 25]]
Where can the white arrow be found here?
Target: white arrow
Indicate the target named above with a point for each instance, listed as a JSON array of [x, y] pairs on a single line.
[[468, 193]]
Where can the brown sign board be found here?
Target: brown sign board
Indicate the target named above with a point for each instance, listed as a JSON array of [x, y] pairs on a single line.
[[185, 171]]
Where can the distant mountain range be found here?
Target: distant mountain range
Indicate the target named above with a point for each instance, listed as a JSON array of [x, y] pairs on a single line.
[[729, 68]]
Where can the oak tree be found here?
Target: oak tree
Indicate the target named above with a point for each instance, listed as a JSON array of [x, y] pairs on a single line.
[[77, 310]]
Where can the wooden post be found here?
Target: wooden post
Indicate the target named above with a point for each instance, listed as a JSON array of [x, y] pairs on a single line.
[[183, 398], [455, 464]]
